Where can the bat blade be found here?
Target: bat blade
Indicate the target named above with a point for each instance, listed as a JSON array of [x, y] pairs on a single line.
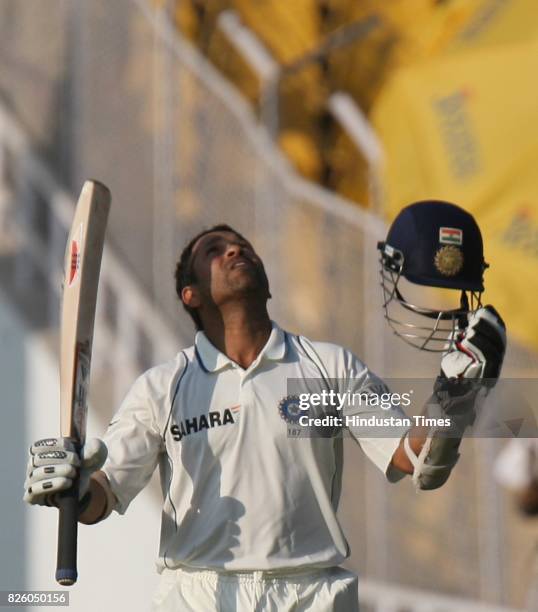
[[81, 278]]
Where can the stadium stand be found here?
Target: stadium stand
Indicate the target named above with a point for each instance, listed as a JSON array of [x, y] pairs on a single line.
[[403, 32]]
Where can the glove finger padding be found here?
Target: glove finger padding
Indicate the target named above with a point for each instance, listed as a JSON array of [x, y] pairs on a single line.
[[55, 457], [480, 349], [485, 337], [48, 472], [43, 493], [54, 464], [53, 451]]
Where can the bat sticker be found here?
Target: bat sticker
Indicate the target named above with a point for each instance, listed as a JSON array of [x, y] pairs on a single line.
[[75, 250], [82, 381]]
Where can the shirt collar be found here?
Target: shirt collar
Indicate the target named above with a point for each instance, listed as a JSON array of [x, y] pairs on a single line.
[[212, 360]]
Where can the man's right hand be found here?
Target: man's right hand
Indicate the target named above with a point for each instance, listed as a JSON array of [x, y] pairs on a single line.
[[54, 464]]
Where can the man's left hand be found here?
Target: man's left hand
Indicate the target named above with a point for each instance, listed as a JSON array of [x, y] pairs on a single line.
[[479, 350]]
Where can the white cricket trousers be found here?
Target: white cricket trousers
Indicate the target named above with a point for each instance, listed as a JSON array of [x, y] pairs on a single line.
[[324, 590]]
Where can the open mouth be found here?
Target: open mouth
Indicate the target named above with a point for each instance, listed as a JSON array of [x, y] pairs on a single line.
[[241, 263]]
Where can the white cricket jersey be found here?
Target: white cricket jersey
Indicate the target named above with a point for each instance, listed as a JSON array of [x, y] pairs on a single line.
[[239, 493]]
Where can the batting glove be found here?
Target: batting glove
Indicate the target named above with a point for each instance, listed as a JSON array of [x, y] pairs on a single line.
[[54, 463], [480, 349]]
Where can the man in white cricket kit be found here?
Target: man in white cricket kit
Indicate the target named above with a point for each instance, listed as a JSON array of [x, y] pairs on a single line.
[[249, 513]]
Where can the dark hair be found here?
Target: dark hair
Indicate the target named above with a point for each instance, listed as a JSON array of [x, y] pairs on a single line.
[[184, 273]]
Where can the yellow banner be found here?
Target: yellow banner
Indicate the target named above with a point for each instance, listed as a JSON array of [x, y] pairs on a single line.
[[510, 230], [495, 22]]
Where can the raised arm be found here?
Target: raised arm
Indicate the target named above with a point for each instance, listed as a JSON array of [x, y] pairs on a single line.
[[467, 372]]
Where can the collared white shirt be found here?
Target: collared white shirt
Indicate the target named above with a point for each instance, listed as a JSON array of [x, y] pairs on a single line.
[[239, 492]]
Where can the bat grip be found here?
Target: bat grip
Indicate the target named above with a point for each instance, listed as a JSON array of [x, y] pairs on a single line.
[[66, 566]]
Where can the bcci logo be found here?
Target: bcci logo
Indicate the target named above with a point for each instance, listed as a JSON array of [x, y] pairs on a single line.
[[290, 409], [449, 260]]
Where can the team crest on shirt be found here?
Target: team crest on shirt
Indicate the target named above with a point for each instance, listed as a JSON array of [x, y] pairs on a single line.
[[290, 409]]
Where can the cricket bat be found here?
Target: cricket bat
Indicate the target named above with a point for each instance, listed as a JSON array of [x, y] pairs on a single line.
[[81, 277]]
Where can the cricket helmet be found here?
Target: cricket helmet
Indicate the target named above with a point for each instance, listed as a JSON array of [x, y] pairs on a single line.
[[436, 244]]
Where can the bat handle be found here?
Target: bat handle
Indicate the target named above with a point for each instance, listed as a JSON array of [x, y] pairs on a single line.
[[66, 567]]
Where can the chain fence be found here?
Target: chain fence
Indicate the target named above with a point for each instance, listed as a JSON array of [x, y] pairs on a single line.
[[110, 91]]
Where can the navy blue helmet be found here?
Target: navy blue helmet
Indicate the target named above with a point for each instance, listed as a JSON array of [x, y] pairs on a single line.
[[441, 245], [437, 244]]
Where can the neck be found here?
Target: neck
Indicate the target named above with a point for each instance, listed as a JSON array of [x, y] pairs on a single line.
[[240, 331]]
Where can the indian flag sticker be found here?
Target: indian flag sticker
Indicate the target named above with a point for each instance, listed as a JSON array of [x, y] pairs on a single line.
[[450, 235]]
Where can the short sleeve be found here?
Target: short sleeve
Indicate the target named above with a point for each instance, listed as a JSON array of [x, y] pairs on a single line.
[[353, 378], [134, 443], [379, 441]]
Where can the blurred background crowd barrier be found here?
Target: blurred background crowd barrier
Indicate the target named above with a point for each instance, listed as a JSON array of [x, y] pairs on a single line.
[[344, 112]]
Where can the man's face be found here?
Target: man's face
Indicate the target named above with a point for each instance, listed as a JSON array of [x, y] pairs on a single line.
[[226, 267]]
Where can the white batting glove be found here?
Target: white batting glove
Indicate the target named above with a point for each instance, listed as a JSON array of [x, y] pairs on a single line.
[[54, 463], [480, 349]]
